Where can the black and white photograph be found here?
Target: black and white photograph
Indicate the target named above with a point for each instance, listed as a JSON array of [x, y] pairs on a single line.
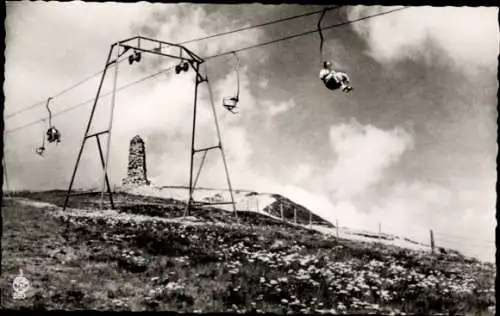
[[249, 158]]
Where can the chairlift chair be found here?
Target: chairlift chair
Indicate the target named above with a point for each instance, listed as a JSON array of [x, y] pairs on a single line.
[[135, 57], [41, 150], [183, 65], [333, 83], [53, 134], [230, 103]]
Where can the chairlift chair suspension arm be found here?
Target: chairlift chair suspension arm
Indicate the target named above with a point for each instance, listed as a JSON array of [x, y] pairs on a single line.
[[40, 150], [236, 97], [321, 34], [50, 112], [237, 76], [43, 139]]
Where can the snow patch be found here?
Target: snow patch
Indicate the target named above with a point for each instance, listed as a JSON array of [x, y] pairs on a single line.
[[366, 236], [34, 203], [245, 200]]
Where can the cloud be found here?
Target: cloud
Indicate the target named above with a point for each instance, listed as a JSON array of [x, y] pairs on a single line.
[[282, 107], [163, 113], [302, 173], [410, 204], [263, 83], [226, 85], [159, 109], [468, 35], [317, 203], [271, 111], [62, 52], [413, 208], [363, 153], [322, 205], [184, 22]]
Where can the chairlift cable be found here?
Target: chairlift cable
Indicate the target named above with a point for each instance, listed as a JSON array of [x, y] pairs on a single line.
[[181, 43], [304, 33], [72, 107], [257, 25], [226, 53], [58, 94]]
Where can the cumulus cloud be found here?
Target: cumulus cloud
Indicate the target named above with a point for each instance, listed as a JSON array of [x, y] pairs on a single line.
[[409, 209], [164, 112], [271, 112], [302, 173], [413, 208], [184, 22], [282, 107], [363, 153], [263, 83], [468, 35], [317, 203], [321, 204], [160, 109], [428, 200], [166, 23]]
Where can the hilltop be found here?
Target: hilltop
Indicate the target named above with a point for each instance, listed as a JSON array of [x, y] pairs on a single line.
[[271, 204], [145, 256]]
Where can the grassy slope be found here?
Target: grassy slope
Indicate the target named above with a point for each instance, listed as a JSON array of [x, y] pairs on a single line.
[[260, 264], [288, 207]]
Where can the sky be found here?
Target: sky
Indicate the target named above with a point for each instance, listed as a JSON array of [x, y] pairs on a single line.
[[413, 147]]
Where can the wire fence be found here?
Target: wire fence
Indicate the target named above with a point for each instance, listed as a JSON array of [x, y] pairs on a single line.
[[379, 231]]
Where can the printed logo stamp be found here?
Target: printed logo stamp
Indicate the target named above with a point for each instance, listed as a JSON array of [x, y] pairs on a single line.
[[20, 286]]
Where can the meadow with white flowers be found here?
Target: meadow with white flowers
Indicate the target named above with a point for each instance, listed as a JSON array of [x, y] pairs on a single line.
[[146, 257]]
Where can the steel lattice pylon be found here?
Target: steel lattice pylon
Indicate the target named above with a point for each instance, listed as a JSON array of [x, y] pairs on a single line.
[[148, 45]]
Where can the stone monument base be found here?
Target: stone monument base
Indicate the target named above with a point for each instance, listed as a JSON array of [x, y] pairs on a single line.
[[136, 172], [134, 183]]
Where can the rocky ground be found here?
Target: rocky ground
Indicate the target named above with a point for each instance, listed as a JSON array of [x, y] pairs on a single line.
[[145, 257]]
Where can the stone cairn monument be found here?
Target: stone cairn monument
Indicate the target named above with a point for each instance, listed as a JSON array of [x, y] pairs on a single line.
[[136, 173]]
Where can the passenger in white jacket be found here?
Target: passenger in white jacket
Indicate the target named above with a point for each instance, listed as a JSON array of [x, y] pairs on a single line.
[[334, 79]]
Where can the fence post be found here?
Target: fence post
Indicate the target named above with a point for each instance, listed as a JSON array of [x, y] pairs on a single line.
[[310, 219], [432, 242], [379, 231], [337, 225], [295, 215], [281, 210], [257, 202]]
